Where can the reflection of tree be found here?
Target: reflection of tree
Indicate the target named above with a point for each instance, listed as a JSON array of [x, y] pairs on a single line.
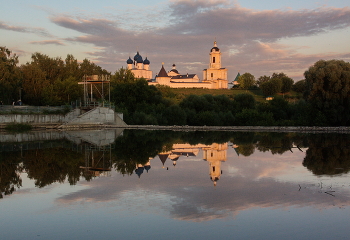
[[241, 138], [47, 166], [246, 149], [10, 179], [207, 138], [328, 154], [136, 147], [278, 143], [275, 142]]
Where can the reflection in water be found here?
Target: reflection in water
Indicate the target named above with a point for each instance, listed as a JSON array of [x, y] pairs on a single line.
[[169, 180], [132, 152], [328, 154], [214, 154]]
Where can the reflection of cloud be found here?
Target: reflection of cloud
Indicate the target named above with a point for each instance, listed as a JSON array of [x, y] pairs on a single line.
[[186, 193]]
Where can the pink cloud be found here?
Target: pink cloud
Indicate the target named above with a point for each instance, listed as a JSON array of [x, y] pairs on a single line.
[[190, 27], [45, 42]]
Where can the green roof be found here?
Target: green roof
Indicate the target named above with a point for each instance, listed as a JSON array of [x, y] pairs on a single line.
[[238, 75]]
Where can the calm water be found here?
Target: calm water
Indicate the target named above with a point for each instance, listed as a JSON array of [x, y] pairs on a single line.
[[174, 185]]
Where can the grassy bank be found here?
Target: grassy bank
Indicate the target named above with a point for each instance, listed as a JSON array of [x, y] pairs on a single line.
[[178, 94]]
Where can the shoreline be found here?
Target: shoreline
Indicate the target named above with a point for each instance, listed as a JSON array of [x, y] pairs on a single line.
[[313, 129]]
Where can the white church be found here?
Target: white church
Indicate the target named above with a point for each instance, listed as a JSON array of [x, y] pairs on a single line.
[[214, 77]]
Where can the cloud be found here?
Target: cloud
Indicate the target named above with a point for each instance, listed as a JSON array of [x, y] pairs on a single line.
[[188, 196], [46, 42], [38, 31], [184, 31]]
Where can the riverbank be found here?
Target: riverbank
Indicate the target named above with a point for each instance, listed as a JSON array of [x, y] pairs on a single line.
[[314, 129]]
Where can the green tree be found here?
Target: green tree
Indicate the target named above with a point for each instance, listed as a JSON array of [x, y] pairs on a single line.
[[53, 68], [34, 83], [246, 81], [299, 86], [271, 87], [328, 89], [62, 92], [71, 68], [136, 96], [278, 75], [123, 76], [10, 77], [244, 101], [252, 117], [262, 79], [280, 110], [89, 68], [287, 84], [175, 115]]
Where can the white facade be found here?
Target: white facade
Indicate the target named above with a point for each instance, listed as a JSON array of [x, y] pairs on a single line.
[[215, 73], [139, 67], [215, 77]]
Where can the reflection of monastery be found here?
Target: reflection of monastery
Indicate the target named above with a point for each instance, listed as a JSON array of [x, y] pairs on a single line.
[[214, 154], [215, 77]]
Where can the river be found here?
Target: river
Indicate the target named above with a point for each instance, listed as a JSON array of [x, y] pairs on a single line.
[[108, 184]]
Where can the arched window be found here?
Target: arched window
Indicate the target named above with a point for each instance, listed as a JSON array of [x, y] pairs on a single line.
[[213, 59], [212, 74]]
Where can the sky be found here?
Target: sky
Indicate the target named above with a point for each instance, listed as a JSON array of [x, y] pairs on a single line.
[[259, 37]]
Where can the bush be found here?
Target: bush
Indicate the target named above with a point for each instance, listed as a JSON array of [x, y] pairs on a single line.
[[18, 127]]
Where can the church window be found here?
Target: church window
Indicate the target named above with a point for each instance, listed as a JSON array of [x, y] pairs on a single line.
[[213, 59], [212, 74], [213, 168]]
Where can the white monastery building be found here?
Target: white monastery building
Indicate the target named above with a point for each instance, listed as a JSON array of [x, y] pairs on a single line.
[[140, 67], [215, 77]]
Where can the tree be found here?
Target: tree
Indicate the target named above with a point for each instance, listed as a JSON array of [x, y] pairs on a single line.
[[62, 92], [9, 75], [123, 76], [244, 101], [52, 67], [89, 68], [299, 86], [246, 81], [287, 84], [262, 79], [34, 82], [328, 89], [271, 87], [71, 68], [136, 96], [278, 75]]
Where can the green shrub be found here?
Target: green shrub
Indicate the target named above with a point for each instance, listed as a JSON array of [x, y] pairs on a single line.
[[18, 127]]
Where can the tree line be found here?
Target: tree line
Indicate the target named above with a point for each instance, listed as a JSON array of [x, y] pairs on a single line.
[[325, 101], [43, 80], [325, 94]]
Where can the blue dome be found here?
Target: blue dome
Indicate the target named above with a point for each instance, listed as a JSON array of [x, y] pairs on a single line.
[[129, 61], [138, 58], [147, 62]]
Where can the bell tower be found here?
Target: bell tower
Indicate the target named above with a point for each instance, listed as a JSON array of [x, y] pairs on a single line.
[[215, 57], [215, 74]]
